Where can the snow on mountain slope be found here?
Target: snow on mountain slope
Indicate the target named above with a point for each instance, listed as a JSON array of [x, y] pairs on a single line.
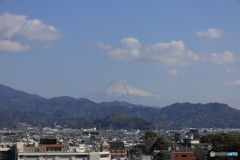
[[123, 88]]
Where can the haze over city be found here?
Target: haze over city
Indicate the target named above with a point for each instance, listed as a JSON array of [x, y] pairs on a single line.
[[183, 51]]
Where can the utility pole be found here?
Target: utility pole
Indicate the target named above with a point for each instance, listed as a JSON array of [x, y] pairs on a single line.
[[110, 121], [100, 129]]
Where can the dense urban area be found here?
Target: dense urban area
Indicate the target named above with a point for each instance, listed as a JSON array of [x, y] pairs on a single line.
[[58, 143]]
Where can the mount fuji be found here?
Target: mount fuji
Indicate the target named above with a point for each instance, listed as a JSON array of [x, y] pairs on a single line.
[[121, 90]]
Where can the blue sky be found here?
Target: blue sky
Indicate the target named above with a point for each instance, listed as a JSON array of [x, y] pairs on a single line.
[[184, 51]]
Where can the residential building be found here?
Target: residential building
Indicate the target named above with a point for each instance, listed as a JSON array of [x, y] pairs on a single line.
[[117, 150], [173, 155], [51, 149]]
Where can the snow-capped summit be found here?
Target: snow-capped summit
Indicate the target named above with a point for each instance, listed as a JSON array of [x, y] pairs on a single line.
[[120, 90], [123, 88]]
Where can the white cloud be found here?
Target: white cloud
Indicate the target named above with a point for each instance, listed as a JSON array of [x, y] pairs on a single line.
[[173, 53], [18, 27], [229, 70], [172, 72], [124, 54], [49, 46], [221, 58], [8, 46], [211, 33], [170, 54], [129, 52], [130, 43], [234, 83]]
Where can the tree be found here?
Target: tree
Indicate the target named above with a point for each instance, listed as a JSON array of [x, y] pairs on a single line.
[[223, 143], [150, 134], [150, 138], [160, 144], [177, 137]]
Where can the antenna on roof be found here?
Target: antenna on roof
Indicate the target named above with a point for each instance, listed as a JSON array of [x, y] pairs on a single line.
[[177, 148], [169, 148]]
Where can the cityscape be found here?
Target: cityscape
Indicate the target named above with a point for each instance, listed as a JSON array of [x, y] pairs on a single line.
[[92, 144]]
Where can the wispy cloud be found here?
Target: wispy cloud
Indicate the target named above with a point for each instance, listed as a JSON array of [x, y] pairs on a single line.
[[124, 54], [210, 33], [95, 45], [101, 45], [172, 72], [229, 70], [15, 28], [234, 83], [49, 46]]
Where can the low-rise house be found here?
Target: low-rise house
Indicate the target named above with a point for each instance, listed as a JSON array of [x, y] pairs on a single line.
[[173, 155], [117, 149], [105, 146]]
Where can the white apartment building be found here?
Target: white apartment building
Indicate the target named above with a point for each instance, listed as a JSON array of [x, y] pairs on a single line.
[[56, 152]]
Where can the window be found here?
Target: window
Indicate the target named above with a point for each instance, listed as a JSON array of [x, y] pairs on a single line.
[[32, 156], [81, 156], [65, 156], [184, 155], [104, 155]]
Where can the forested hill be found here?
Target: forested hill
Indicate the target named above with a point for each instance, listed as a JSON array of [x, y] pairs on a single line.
[[178, 114]]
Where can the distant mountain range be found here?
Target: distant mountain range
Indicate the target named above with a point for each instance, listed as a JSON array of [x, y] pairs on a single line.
[[17, 107], [8, 92]]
